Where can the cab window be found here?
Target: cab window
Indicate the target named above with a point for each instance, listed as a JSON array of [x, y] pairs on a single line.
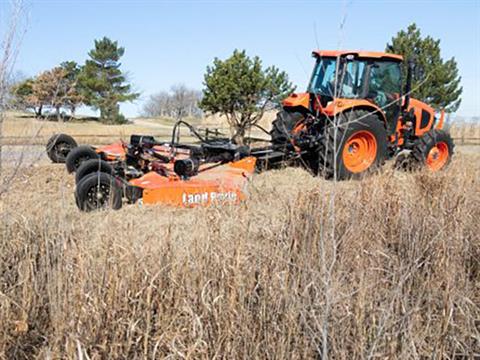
[[352, 79], [384, 89], [385, 82]]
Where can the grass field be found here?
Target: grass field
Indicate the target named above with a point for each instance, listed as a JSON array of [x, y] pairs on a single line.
[[385, 267]]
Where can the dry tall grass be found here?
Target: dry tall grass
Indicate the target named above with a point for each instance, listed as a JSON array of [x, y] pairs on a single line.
[[386, 267]]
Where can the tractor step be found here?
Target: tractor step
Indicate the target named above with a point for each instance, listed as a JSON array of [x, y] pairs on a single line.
[[267, 157]]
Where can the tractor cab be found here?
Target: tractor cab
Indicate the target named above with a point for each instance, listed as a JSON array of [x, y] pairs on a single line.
[[360, 79], [353, 76]]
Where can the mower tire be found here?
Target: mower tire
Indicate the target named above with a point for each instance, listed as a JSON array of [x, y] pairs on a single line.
[[78, 155], [434, 150], [358, 146], [59, 146], [98, 191], [92, 166]]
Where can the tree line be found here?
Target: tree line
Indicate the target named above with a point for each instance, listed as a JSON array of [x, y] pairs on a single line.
[[177, 103], [99, 84]]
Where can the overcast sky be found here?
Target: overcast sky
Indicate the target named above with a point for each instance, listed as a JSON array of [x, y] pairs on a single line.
[[169, 42]]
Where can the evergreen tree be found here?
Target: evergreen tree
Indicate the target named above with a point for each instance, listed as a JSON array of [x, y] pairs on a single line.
[[242, 90], [434, 80], [104, 85]]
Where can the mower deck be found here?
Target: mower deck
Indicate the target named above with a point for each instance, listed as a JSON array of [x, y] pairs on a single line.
[[209, 172], [218, 185]]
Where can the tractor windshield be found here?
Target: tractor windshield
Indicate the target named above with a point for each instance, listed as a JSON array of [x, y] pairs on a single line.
[[348, 83]]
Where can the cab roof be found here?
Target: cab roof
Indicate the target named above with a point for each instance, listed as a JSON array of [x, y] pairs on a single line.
[[359, 53]]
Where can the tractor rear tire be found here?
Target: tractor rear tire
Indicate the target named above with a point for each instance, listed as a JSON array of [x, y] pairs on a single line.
[[358, 146], [434, 150], [92, 166], [98, 191], [58, 147], [78, 155], [283, 126]]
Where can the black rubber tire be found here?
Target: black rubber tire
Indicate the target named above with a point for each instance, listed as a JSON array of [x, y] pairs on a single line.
[[58, 147], [283, 125], [98, 191], [330, 162], [427, 141], [78, 155], [92, 166]]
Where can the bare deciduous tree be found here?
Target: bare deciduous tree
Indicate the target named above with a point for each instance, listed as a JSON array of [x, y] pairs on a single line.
[[56, 89], [10, 37], [185, 101], [180, 102], [16, 78], [157, 105]]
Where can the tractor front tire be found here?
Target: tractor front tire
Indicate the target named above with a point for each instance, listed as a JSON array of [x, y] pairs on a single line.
[[58, 147], [98, 191], [78, 155], [357, 146], [434, 150]]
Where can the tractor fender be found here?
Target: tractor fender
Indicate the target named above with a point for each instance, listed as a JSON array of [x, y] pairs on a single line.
[[301, 100], [339, 106]]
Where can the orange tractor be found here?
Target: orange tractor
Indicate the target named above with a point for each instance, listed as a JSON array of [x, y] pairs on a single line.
[[355, 115]]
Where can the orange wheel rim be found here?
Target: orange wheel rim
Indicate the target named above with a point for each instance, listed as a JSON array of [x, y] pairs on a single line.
[[437, 156], [360, 151]]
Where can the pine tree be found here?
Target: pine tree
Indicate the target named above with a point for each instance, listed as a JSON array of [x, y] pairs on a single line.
[[104, 85], [242, 90], [434, 80]]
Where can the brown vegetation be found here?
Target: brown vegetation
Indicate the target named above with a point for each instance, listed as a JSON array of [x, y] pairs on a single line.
[[386, 267]]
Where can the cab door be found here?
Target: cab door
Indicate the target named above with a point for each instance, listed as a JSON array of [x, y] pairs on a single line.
[[385, 90]]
